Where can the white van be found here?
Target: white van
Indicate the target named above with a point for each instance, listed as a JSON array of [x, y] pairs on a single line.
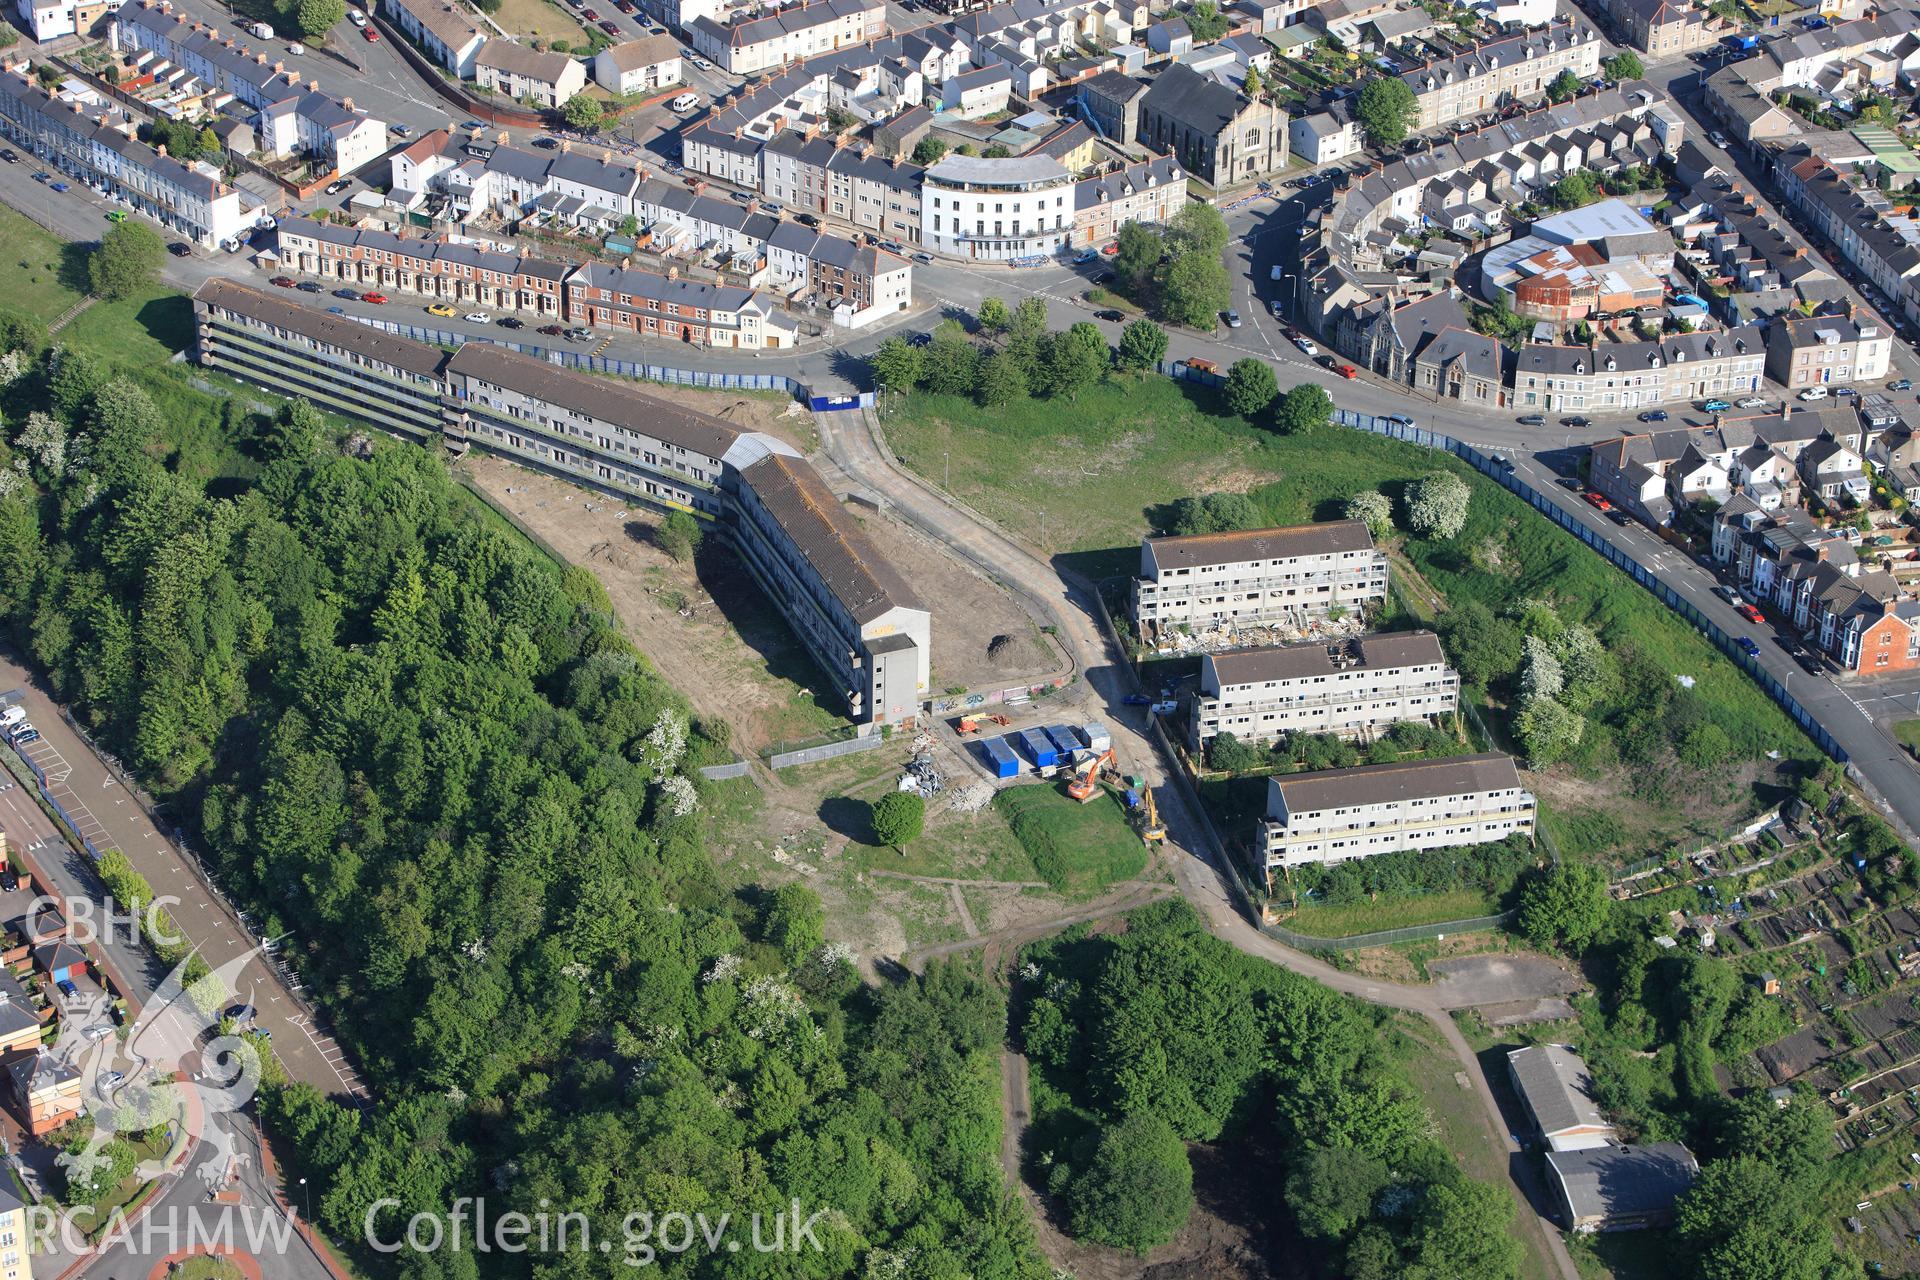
[[356, 17], [685, 102], [1814, 393], [262, 30], [12, 716], [297, 49]]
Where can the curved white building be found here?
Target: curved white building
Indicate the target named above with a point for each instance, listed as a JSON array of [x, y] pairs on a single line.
[[996, 210]]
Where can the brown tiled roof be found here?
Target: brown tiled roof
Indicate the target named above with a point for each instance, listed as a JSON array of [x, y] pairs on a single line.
[[621, 404], [830, 539], [324, 328], [1301, 661], [1261, 544], [1386, 783]]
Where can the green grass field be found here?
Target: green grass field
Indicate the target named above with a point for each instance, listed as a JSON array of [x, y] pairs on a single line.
[[1907, 733], [1387, 913], [1088, 478], [1077, 848], [978, 846]]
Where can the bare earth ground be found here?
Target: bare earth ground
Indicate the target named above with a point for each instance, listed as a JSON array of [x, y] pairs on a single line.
[[1475, 981], [1407, 961]]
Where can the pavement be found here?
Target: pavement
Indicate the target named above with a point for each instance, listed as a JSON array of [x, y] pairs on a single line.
[[100, 802]]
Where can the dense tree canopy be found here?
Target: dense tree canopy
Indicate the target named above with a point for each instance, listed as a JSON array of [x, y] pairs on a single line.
[[125, 261], [1386, 110]]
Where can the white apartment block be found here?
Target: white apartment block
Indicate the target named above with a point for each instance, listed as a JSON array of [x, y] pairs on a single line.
[[997, 209], [1351, 687], [1263, 575], [51, 19], [446, 29], [1335, 815], [527, 75], [639, 66]]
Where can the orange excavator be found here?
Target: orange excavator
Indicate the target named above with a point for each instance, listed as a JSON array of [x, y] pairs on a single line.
[[971, 723], [1087, 774]]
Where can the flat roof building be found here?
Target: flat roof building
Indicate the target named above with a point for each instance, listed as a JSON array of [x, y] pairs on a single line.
[[1335, 815], [1557, 1090], [1262, 575], [1620, 1188], [1349, 687]]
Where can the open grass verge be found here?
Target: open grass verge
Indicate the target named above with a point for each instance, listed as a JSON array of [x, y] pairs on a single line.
[[1321, 921], [1907, 733], [1077, 848]]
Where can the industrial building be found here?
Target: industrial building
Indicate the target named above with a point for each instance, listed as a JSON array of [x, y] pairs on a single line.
[[1349, 687], [1621, 1188], [857, 617], [1334, 815], [1553, 1083], [1263, 575]]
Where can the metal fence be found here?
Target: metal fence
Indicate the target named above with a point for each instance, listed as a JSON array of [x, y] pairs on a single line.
[[718, 380], [59, 810], [721, 772], [826, 751]]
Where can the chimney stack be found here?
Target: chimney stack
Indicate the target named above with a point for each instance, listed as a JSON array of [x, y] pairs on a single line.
[[347, 103], [161, 149]]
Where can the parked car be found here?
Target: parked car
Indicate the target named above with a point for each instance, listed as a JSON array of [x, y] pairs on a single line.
[[338, 185], [307, 286], [580, 333], [351, 295], [1714, 406], [1086, 255], [375, 298], [281, 282], [924, 259], [1109, 315], [1137, 700], [1810, 663], [370, 35], [1531, 420], [61, 186], [1597, 502], [27, 734], [179, 248], [1576, 421], [1845, 391], [610, 28], [1747, 646], [8, 155], [1728, 594], [116, 215], [1900, 384], [41, 177], [1348, 372], [550, 330], [67, 988], [919, 339], [1400, 418], [1568, 482], [1502, 462], [97, 1032], [477, 317], [1814, 393], [1232, 317], [1654, 415], [1754, 402], [1619, 517], [591, 15], [1717, 138], [439, 309], [510, 322], [399, 131], [1750, 612], [701, 63], [1306, 346]]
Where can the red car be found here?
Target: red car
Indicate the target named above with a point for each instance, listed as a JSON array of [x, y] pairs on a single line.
[[1750, 613], [610, 28], [1110, 249], [370, 35], [1597, 502], [1347, 372], [375, 298], [590, 15], [281, 282]]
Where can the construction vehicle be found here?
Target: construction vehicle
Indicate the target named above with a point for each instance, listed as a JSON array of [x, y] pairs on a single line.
[[972, 723], [1087, 773], [1152, 830]]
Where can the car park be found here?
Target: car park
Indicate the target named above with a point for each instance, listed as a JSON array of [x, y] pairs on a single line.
[[1531, 420], [307, 286], [1654, 415]]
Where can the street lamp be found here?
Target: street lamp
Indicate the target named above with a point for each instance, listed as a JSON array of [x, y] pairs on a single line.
[[306, 1199]]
